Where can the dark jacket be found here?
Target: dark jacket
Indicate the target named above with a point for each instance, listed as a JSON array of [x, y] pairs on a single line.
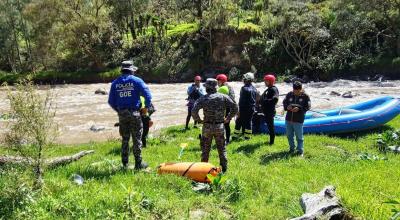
[[268, 101], [248, 98], [302, 102]]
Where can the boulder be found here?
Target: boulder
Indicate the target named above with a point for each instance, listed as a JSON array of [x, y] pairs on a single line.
[[333, 93], [394, 149], [101, 92], [323, 205], [198, 214], [96, 128], [348, 94]]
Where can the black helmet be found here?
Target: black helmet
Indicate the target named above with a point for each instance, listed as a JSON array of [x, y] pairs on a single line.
[[211, 83], [297, 85]]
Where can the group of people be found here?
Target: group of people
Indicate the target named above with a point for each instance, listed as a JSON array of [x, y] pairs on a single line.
[[130, 97]]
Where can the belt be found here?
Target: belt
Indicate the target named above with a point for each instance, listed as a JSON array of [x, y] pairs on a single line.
[[129, 109], [213, 122]]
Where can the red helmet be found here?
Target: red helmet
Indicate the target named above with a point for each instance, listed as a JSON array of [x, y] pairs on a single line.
[[197, 78], [270, 78], [222, 77]]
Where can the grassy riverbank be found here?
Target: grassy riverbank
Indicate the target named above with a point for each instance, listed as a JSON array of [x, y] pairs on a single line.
[[265, 183]]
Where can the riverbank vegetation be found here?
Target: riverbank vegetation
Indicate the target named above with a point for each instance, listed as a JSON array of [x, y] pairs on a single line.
[[263, 182], [75, 41]]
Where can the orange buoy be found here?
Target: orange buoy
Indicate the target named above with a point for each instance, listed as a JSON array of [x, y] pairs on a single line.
[[196, 171]]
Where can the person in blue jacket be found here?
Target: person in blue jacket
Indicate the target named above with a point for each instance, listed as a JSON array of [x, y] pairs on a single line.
[[124, 98]]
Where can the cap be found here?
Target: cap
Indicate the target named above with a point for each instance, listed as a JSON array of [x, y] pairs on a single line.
[[128, 65]]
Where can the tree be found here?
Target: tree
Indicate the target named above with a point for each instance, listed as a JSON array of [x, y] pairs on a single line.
[[386, 14], [303, 36], [33, 127]]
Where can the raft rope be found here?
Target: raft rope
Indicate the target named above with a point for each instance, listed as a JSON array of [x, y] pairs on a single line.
[[184, 173]]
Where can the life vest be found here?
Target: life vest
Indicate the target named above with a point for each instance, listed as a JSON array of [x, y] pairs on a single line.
[[195, 93]]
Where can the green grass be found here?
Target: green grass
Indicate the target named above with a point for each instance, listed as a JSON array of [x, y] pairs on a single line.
[[245, 26], [182, 29], [271, 181]]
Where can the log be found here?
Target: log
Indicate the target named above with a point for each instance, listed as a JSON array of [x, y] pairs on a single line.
[[52, 162], [67, 159], [323, 205]]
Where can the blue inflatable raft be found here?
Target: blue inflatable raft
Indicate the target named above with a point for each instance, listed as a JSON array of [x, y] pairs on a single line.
[[361, 116]]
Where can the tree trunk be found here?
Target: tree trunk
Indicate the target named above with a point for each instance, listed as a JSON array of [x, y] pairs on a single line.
[[199, 9], [53, 162]]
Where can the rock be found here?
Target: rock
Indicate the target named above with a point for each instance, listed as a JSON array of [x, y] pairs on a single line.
[[318, 84], [77, 179], [101, 92], [96, 128], [348, 94], [394, 149], [323, 205], [333, 93], [305, 79], [201, 187], [378, 77], [292, 78], [198, 214]]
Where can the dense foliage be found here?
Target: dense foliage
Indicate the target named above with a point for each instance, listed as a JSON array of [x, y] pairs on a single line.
[[173, 39]]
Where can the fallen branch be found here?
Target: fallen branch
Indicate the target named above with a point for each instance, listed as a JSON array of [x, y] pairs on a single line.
[[52, 162]]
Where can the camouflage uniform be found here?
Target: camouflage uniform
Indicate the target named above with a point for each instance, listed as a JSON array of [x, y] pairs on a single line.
[[214, 106], [130, 123]]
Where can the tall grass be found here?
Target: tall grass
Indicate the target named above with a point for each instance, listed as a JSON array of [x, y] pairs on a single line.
[[268, 182]]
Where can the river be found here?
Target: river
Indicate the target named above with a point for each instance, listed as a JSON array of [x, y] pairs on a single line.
[[79, 108]]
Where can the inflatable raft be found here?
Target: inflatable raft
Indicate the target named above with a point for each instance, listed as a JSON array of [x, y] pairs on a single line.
[[196, 171], [361, 116]]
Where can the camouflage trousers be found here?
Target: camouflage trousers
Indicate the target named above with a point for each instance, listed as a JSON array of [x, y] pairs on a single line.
[[216, 131], [130, 124]]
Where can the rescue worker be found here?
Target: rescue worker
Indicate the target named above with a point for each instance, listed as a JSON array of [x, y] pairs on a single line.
[[214, 106], [226, 89], [194, 91], [296, 103], [146, 120], [124, 98], [247, 103], [268, 102]]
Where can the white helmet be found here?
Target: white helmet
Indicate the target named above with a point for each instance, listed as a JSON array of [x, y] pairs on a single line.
[[248, 76]]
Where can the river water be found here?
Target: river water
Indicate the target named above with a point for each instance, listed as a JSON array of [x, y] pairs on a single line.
[[79, 108]]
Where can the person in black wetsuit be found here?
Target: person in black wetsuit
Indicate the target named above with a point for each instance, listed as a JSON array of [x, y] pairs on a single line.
[[247, 103], [268, 102]]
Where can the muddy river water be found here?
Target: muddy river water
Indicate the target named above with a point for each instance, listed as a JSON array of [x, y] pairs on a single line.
[[79, 108]]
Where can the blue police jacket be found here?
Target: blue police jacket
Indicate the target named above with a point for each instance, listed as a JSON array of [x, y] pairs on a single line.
[[125, 93]]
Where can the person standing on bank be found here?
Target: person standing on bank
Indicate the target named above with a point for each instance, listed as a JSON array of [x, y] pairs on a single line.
[[268, 102], [214, 107], [296, 103], [226, 89], [247, 103], [194, 91], [124, 98], [146, 113]]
